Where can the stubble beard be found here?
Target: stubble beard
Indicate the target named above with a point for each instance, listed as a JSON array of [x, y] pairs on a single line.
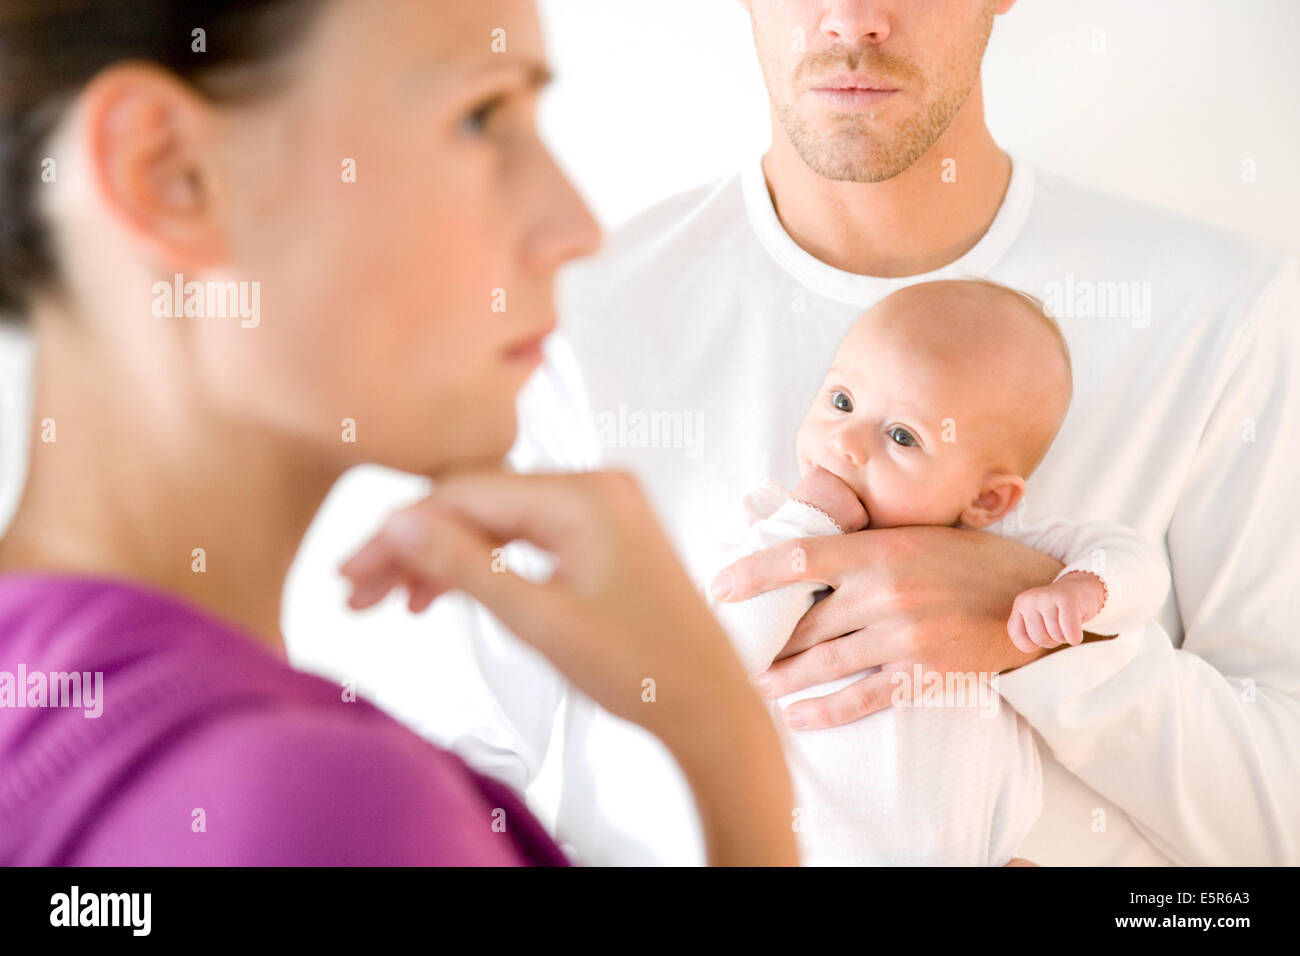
[[857, 149]]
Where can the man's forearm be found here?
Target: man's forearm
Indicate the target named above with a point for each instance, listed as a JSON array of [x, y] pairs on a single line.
[[1213, 778]]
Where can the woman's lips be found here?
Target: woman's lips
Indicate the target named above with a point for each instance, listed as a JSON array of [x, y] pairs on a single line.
[[528, 351]]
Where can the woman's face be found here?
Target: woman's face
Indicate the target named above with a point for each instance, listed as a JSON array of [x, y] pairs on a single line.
[[405, 224]]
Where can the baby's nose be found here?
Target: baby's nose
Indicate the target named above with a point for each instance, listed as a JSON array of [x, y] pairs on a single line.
[[844, 447]]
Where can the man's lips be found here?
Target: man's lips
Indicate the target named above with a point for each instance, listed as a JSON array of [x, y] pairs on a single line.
[[848, 93], [855, 81]]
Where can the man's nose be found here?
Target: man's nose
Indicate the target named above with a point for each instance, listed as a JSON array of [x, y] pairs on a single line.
[[855, 21]]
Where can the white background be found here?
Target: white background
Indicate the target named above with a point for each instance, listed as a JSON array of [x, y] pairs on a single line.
[[1163, 100]]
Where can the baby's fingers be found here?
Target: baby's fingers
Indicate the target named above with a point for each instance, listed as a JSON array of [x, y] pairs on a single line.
[[1072, 626], [1037, 630], [1052, 624], [1019, 635]]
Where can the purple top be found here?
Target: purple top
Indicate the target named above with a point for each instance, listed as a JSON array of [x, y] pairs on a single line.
[[209, 750]]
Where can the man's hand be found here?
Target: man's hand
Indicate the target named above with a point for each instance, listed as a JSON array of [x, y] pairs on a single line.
[[937, 597]]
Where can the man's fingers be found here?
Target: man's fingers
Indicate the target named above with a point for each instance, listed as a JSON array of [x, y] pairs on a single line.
[[844, 706], [770, 568], [839, 657], [827, 618]]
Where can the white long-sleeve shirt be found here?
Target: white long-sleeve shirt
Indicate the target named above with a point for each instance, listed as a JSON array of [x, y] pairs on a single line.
[[702, 332], [957, 784]]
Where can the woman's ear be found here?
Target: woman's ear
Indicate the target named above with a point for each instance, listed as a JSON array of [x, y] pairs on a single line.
[[998, 495], [150, 143]]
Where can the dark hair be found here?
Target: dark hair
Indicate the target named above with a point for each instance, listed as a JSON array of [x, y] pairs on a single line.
[[49, 51]]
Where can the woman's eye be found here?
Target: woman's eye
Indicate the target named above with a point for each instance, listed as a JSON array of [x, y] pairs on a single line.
[[902, 436], [476, 122], [842, 401]]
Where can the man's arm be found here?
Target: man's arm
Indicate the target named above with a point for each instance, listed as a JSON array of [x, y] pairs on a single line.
[[1201, 745]]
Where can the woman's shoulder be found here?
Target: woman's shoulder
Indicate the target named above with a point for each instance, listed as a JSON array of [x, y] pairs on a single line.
[[191, 744], [298, 785]]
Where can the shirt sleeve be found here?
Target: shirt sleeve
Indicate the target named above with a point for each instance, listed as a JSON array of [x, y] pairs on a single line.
[[517, 692], [1200, 744], [760, 626], [1127, 564]]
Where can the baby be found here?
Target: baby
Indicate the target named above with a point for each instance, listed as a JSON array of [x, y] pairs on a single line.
[[941, 401]]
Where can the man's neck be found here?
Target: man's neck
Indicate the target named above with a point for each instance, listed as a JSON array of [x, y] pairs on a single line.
[[926, 217]]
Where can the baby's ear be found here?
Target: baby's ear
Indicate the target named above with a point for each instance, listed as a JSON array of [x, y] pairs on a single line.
[[998, 494]]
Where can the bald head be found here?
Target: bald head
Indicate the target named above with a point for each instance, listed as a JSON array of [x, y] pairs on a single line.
[[999, 361]]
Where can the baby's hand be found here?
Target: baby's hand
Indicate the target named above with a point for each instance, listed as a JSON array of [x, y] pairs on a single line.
[[827, 492], [1054, 615]]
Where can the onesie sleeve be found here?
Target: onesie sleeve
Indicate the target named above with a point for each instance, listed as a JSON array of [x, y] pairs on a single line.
[[760, 627], [1131, 569]]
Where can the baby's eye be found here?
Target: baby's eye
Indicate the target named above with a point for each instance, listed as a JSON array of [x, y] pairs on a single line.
[[842, 401], [902, 436]]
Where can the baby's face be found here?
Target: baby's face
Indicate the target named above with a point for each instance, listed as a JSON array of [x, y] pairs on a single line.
[[907, 427]]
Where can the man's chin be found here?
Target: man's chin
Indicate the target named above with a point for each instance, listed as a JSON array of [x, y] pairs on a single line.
[[853, 166], [840, 153]]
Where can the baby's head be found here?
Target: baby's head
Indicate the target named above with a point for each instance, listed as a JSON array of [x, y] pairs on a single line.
[[942, 399]]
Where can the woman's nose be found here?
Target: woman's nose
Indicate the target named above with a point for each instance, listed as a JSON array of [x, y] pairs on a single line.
[[565, 228]]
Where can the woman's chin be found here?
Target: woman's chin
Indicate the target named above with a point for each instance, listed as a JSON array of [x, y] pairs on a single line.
[[487, 450]]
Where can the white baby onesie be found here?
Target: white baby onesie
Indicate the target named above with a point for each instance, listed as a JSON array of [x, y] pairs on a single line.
[[922, 785]]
